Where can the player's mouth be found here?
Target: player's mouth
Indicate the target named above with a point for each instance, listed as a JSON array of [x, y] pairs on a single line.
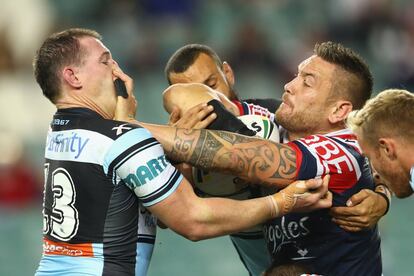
[[286, 101]]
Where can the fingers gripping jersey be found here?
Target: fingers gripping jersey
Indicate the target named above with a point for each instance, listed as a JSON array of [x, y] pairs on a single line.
[[99, 177], [312, 239]]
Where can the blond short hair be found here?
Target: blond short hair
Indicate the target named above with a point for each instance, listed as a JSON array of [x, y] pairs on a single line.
[[389, 114]]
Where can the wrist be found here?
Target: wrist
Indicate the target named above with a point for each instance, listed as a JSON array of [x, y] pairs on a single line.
[[383, 191], [283, 202], [273, 207], [125, 118]]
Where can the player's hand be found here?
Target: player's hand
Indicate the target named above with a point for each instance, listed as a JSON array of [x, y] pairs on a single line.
[[125, 108], [197, 117], [174, 116], [363, 211], [304, 195]]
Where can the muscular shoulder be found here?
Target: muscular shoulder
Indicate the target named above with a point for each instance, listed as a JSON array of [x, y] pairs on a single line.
[[336, 155]]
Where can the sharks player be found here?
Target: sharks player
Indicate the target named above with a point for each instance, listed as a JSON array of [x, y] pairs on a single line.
[[103, 177]]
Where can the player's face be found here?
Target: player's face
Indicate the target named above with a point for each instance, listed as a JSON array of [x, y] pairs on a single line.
[[96, 76], [389, 169], [304, 109], [204, 70]]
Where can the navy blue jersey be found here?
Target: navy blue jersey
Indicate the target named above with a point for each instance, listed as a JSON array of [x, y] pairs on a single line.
[[99, 177], [312, 239]]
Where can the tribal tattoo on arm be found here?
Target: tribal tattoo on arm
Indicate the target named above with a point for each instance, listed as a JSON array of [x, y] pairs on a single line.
[[256, 160]]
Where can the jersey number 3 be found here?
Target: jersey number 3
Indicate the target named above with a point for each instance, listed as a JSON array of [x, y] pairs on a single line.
[[62, 223]]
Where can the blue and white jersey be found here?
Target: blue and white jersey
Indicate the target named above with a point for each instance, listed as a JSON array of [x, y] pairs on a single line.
[[100, 175]]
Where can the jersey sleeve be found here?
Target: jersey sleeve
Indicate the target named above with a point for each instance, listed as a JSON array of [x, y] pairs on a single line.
[[247, 108], [137, 159], [227, 121], [270, 103], [318, 155]]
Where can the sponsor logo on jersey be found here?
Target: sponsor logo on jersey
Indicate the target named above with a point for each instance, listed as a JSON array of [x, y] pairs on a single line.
[[67, 249], [284, 232], [120, 128], [67, 142], [334, 159], [148, 172]]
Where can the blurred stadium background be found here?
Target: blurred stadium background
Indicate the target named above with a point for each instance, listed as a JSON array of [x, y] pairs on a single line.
[[263, 40]]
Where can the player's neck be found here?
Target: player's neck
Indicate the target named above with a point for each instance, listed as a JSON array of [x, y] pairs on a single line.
[[84, 102], [295, 135], [406, 160]]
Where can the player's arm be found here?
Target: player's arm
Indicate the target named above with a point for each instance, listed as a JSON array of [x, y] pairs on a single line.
[[201, 218], [187, 95], [365, 208], [138, 161], [256, 160]]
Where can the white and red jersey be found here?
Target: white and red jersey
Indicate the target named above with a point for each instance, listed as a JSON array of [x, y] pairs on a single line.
[[335, 154], [250, 108], [312, 239]]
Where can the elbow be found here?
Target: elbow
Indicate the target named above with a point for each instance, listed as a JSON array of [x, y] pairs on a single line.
[[194, 232], [196, 227], [194, 237], [168, 99]]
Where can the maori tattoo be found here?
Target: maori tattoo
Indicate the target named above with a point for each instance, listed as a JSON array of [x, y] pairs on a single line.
[[256, 160]]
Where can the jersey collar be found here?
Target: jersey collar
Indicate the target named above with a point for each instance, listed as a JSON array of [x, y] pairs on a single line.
[[78, 111]]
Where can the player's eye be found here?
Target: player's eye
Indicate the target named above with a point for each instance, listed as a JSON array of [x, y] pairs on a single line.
[[212, 84], [308, 81], [105, 62]]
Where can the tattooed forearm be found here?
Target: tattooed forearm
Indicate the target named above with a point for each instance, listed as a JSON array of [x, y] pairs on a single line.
[[262, 162], [205, 150], [232, 138], [183, 144], [257, 160], [288, 163]]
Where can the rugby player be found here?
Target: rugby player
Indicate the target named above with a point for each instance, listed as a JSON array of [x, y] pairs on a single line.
[[103, 177]]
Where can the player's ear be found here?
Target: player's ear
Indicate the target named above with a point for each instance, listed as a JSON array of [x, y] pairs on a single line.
[[340, 111], [70, 77], [228, 72], [387, 147]]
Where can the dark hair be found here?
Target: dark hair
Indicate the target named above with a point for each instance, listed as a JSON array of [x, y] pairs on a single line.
[[288, 269], [185, 57], [58, 50], [356, 86]]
